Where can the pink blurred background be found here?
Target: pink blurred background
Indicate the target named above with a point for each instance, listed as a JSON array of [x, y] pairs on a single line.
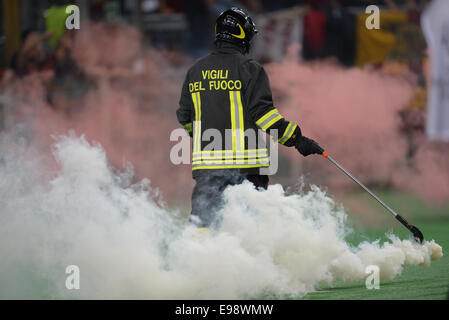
[[107, 83]]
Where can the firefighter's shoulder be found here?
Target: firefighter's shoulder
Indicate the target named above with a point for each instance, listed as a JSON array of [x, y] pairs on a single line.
[[199, 63], [251, 66], [203, 60]]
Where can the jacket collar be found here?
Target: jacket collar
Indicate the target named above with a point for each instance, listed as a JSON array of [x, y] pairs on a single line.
[[227, 47]]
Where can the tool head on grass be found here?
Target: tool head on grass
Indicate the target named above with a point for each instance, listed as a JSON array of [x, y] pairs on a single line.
[[417, 234]]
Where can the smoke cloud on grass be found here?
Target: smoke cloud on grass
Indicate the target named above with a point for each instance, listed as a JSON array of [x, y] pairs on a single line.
[[128, 245]]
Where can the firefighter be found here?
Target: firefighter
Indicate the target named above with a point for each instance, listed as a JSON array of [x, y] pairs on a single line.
[[227, 96]]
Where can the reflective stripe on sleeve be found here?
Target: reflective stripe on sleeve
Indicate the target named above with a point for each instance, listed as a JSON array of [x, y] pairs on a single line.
[[268, 119], [287, 133]]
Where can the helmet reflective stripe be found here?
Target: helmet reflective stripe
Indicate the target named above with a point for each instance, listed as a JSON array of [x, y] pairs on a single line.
[[242, 33]]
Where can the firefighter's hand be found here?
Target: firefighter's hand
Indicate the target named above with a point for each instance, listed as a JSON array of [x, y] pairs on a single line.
[[307, 146]]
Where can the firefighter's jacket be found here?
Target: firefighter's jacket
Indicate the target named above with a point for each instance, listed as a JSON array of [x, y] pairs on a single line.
[[226, 105]]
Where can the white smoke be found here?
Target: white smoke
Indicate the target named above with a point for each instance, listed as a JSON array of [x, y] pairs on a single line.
[[127, 245]]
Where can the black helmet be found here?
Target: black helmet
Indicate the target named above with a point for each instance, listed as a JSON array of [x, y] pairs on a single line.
[[235, 26]]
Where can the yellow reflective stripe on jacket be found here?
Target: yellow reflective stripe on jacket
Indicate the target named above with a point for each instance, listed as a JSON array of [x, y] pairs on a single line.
[[287, 133], [222, 157], [217, 154], [233, 161], [229, 166], [273, 121], [237, 122], [223, 164], [233, 122], [268, 119], [241, 128], [226, 158], [197, 123], [265, 116], [252, 156], [249, 151]]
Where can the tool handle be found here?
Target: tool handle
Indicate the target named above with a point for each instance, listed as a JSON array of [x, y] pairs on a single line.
[[404, 222], [328, 157], [416, 232]]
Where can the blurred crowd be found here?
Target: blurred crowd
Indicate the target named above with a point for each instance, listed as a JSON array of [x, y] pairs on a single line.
[[329, 27], [181, 29], [120, 74]]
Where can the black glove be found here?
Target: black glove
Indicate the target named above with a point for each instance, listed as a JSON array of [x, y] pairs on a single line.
[[307, 146]]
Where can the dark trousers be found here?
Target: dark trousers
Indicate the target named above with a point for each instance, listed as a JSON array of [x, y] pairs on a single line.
[[207, 196]]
